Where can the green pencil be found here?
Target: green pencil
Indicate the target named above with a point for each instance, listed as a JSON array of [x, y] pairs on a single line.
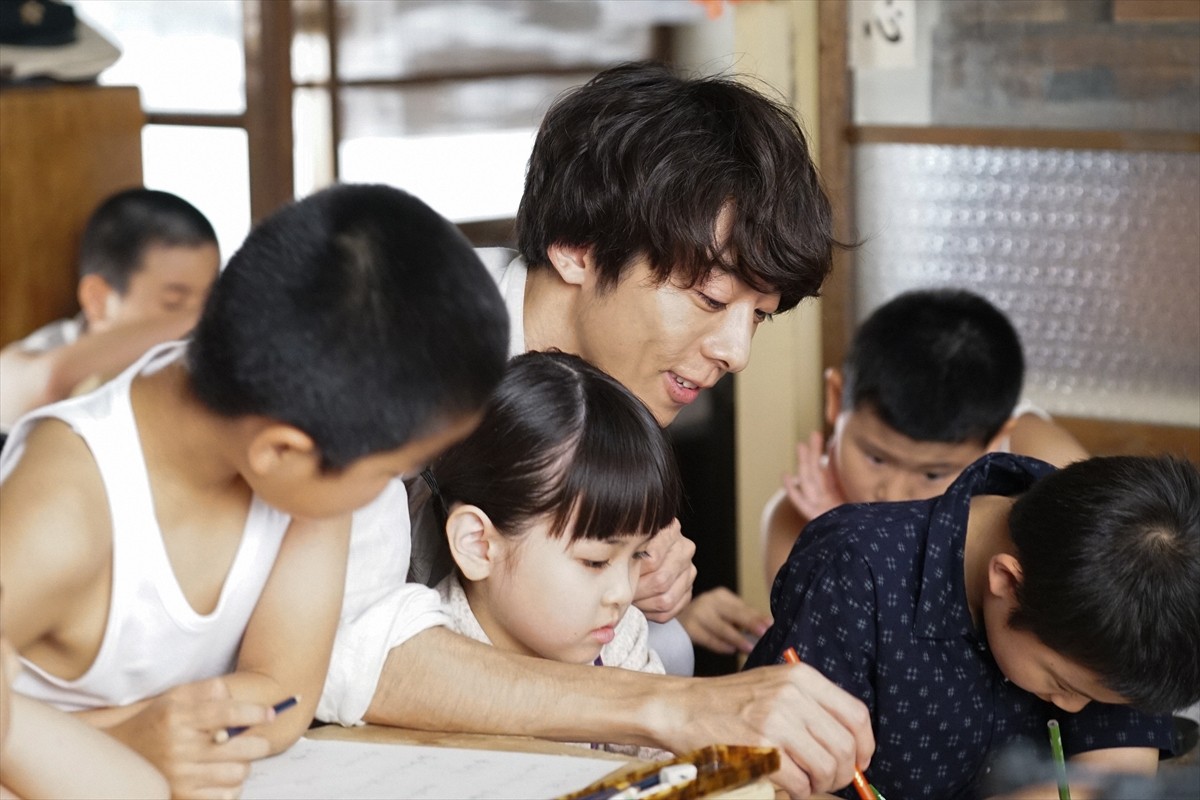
[[1060, 763]]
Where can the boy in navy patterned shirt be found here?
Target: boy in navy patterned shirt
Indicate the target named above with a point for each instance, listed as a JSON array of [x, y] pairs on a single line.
[[967, 621]]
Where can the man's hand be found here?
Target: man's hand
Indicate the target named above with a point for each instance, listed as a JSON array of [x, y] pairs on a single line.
[[665, 586], [721, 621], [812, 490], [821, 731], [175, 733]]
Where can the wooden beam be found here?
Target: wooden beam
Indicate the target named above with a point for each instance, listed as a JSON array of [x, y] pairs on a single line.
[[837, 306], [1038, 138], [268, 36], [1156, 10], [1104, 437]]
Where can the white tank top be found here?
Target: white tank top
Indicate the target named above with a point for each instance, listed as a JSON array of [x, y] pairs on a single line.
[[153, 639]]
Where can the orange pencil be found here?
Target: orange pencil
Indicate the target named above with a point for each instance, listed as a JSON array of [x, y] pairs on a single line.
[[864, 789]]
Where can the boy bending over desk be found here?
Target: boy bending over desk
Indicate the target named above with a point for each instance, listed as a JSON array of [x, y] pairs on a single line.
[[174, 545], [1023, 594]]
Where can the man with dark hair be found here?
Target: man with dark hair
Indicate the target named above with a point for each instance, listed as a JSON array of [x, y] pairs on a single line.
[[1022, 594], [652, 202], [146, 263], [663, 220]]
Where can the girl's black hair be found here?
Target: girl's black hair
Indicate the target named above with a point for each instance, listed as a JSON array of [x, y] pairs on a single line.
[[560, 436]]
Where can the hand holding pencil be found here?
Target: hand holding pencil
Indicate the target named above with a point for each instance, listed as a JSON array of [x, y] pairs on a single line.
[[175, 731], [223, 735], [865, 790]]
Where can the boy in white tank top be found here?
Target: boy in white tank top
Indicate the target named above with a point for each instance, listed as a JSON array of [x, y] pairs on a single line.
[[173, 546]]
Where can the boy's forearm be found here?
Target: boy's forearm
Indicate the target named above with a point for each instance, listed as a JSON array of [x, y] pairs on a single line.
[[439, 680], [265, 691], [100, 766], [243, 686], [107, 353], [286, 647], [1131, 760]]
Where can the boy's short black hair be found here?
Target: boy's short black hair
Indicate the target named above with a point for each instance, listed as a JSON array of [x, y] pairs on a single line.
[[937, 365], [640, 162], [559, 436], [358, 315], [123, 226], [1110, 560]]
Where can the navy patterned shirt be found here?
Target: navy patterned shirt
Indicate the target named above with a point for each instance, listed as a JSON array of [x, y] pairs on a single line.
[[872, 595]]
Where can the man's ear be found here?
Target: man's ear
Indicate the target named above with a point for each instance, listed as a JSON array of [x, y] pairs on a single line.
[[573, 264], [472, 539], [283, 450], [1001, 437], [1004, 576], [96, 298], [833, 395]]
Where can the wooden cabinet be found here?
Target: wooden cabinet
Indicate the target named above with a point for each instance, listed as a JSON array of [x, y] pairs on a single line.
[[63, 149]]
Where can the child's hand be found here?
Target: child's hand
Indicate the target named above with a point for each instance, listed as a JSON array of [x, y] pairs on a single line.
[[813, 490], [665, 585], [175, 733], [721, 621]]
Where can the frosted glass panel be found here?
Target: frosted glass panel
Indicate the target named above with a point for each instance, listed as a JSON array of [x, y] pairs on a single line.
[[1095, 255]]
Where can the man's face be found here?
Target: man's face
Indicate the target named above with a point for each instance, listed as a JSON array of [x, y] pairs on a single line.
[[666, 343], [171, 280]]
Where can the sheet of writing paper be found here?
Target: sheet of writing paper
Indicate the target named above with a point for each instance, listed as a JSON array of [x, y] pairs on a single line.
[[362, 771]]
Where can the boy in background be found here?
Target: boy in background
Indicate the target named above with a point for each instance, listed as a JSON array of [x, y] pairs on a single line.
[[146, 262], [931, 382], [1023, 594], [173, 545]]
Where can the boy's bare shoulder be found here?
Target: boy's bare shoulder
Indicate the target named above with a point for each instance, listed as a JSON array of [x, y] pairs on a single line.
[[1041, 438], [54, 516]]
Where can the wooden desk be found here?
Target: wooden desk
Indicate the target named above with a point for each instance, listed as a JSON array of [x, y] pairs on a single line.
[[379, 734]]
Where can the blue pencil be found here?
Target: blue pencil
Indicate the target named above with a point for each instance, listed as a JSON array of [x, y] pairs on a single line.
[[225, 734]]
